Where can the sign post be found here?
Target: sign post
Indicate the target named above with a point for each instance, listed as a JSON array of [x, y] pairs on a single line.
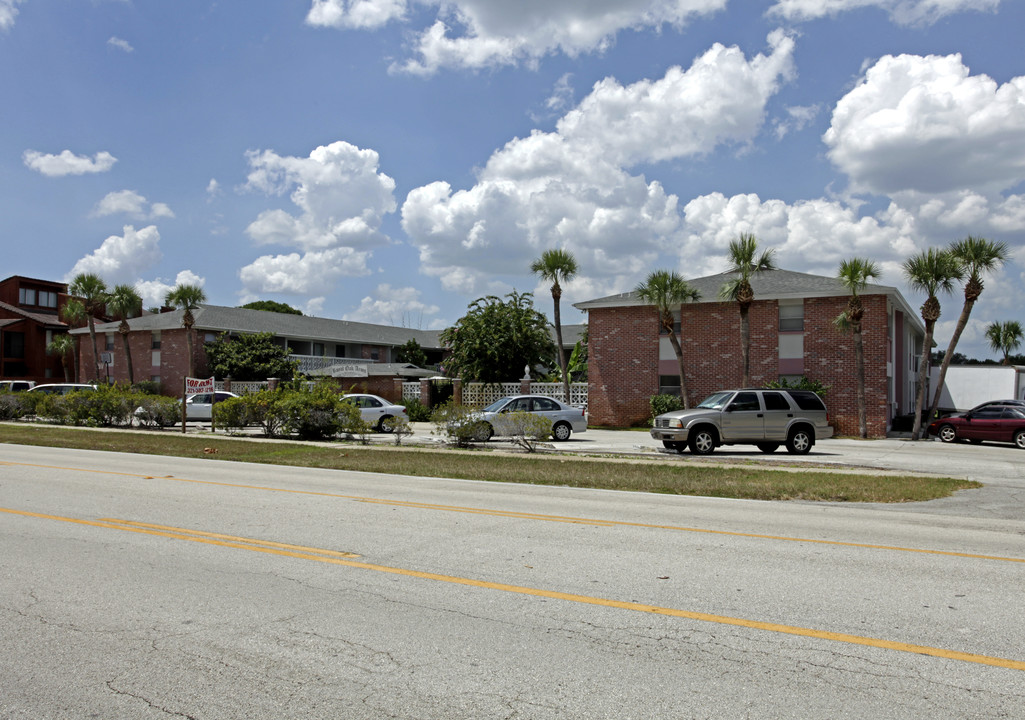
[[192, 386]]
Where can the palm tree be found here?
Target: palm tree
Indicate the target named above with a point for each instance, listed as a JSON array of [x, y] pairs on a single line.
[[554, 266], [977, 256], [743, 261], [74, 314], [667, 291], [124, 302], [64, 346], [854, 275], [187, 298], [930, 271], [1004, 337], [92, 291]]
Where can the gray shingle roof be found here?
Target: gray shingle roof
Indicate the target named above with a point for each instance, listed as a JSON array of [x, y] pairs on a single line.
[[217, 319]]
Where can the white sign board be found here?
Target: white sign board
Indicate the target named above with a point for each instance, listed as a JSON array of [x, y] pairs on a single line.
[[198, 385], [349, 370]]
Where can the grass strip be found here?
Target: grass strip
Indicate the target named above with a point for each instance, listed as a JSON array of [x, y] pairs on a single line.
[[674, 478]]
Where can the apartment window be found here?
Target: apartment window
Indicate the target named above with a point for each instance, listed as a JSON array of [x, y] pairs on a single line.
[[47, 299], [318, 349], [155, 342], [110, 342], [375, 354], [14, 345], [339, 351], [791, 316], [26, 296]]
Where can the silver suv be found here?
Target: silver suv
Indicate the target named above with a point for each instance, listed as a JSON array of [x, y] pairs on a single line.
[[765, 418]]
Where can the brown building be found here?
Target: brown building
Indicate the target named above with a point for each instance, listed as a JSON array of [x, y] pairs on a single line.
[[29, 320], [792, 335]]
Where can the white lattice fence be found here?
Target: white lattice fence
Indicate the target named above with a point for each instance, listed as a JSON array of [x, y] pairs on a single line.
[[481, 394], [411, 390], [577, 392]]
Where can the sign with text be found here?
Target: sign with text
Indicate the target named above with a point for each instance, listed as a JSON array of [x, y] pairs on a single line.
[[347, 370], [198, 385]]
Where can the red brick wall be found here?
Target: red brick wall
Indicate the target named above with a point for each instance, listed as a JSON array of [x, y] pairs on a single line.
[[173, 353], [623, 362], [377, 385], [829, 359], [622, 365]]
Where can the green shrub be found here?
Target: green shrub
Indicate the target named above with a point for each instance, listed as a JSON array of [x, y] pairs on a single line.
[[265, 409], [312, 414], [14, 406], [417, 411], [529, 431], [460, 424], [233, 415], [148, 387], [158, 411], [663, 404]]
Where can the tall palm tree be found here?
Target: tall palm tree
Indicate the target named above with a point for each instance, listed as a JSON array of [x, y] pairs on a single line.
[[667, 291], [977, 257], [74, 314], [745, 262], [854, 275], [931, 271], [123, 303], [63, 346], [554, 266], [92, 291], [187, 298], [1004, 337]]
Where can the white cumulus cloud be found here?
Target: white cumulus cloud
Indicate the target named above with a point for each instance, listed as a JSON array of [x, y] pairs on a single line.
[[8, 11], [129, 202], [67, 163], [341, 197], [120, 44], [153, 292], [122, 258], [489, 33], [571, 188], [902, 12], [401, 307]]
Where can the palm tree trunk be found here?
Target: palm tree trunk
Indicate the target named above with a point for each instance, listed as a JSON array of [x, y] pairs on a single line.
[[559, 349], [923, 373], [67, 370], [745, 346], [675, 342], [96, 350], [128, 357], [962, 322], [78, 358], [859, 368]]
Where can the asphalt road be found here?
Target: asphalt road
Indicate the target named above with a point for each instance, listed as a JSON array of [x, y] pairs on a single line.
[[138, 587]]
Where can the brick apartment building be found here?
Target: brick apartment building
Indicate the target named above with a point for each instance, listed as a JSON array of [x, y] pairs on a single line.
[[29, 320], [160, 351], [792, 335]]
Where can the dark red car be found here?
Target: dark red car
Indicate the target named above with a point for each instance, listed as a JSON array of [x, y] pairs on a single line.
[[994, 423]]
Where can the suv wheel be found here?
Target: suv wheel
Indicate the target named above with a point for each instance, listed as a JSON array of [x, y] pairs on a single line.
[[702, 441], [799, 442]]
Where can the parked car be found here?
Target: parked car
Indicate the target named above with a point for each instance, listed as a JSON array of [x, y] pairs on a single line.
[[993, 423], [200, 406], [761, 417], [63, 388], [566, 419], [16, 385], [376, 411]]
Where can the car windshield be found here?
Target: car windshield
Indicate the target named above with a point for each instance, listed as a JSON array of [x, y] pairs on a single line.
[[715, 401], [497, 405]]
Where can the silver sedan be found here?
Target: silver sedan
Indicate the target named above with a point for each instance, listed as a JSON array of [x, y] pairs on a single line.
[[565, 418]]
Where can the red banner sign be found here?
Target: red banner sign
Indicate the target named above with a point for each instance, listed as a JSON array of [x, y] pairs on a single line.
[[198, 385]]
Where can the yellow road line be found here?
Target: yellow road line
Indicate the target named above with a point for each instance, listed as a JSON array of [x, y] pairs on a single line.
[[541, 517], [197, 536]]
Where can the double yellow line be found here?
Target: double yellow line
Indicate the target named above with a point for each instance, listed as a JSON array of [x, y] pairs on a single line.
[[348, 559]]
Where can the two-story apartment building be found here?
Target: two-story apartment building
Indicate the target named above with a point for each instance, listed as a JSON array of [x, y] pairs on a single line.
[[29, 320], [792, 335]]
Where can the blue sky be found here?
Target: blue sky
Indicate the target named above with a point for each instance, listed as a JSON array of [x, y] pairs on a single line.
[[390, 161]]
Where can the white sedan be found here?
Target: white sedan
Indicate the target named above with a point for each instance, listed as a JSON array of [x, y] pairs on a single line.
[[376, 411], [201, 405]]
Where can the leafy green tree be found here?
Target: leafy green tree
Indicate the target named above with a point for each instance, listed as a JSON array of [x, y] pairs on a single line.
[[249, 357], [554, 266], [1004, 337], [496, 339], [63, 346], [123, 303], [977, 256], [271, 306], [90, 289], [667, 291], [745, 262], [412, 353], [930, 271], [187, 298], [854, 275]]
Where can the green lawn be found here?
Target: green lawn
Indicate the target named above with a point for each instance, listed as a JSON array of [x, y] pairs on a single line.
[[647, 475]]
